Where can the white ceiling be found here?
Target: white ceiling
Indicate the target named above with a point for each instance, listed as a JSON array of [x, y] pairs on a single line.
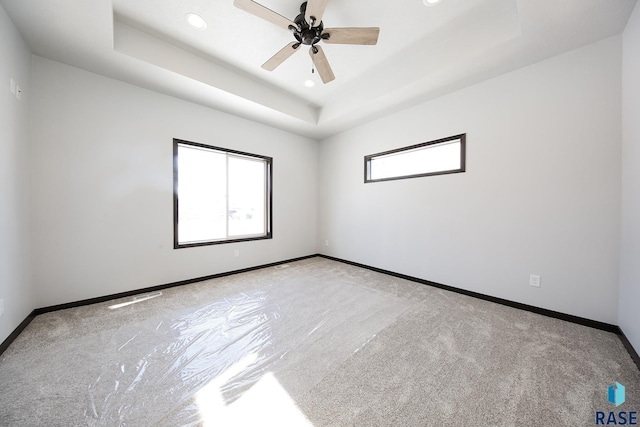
[[422, 52]]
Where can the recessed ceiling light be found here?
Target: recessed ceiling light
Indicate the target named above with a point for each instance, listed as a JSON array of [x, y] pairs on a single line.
[[309, 83], [196, 21], [430, 2]]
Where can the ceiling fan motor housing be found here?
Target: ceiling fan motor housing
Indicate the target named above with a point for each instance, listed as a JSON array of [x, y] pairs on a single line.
[[305, 33]]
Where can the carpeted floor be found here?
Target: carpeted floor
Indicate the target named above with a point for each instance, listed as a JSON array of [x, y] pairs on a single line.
[[316, 342]]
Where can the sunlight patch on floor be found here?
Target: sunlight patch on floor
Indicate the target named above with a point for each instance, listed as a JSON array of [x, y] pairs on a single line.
[[136, 299], [267, 403]]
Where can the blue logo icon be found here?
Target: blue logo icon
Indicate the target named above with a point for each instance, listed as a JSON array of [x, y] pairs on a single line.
[[616, 394]]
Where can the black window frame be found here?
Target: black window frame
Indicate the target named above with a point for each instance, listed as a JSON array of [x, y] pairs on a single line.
[[463, 144], [269, 196]]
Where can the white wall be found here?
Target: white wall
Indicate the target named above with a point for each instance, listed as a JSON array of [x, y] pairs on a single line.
[[629, 316], [541, 194], [15, 279], [103, 182]]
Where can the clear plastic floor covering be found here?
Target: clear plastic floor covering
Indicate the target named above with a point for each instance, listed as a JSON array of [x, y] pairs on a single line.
[[229, 359], [319, 342]]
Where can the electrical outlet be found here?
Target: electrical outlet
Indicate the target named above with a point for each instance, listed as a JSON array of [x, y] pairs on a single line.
[[19, 93], [534, 280], [236, 253], [12, 86], [1, 307], [326, 243]]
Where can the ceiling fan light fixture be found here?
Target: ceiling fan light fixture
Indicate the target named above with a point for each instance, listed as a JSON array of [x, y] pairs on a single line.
[[309, 83], [196, 21], [308, 29], [430, 2]]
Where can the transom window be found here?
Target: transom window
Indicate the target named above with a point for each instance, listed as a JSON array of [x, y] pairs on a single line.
[[220, 195], [443, 156]]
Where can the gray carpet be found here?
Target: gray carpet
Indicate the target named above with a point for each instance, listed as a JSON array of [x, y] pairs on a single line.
[[315, 343]]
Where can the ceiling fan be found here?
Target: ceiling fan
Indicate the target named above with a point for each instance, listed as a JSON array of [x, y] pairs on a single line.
[[308, 29]]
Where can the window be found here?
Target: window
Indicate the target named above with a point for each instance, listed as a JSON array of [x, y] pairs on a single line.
[[438, 157], [219, 195]]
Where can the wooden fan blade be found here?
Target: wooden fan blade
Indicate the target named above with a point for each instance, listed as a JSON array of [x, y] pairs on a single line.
[[265, 13], [315, 8], [281, 56], [352, 35], [322, 65]]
